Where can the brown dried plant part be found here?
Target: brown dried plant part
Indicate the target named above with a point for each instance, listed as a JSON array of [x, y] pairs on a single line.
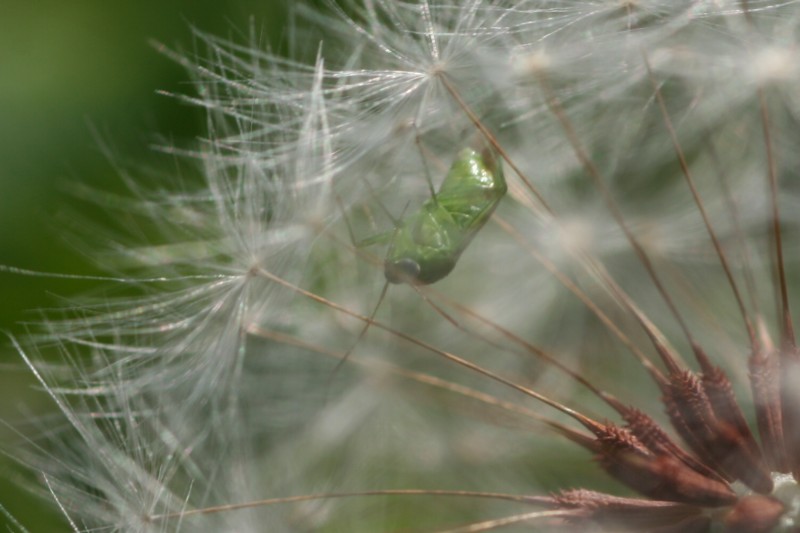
[[719, 474], [708, 468]]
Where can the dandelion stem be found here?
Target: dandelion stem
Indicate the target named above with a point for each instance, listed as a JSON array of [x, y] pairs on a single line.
[[788, 328], [555, 106], [336, 495], [586, 421], [700, 206]]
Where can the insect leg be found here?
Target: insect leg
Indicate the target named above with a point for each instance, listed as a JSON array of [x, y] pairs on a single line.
[[425, 166], [346, 220], [382, 237]]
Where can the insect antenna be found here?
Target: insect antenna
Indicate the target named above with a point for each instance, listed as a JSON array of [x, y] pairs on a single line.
[[361, 334], [385, 288]]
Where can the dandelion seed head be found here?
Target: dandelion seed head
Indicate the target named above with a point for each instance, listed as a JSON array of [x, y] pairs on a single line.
[[220, 383]]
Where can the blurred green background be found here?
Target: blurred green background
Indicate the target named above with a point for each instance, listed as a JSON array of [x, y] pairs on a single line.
[[67, 68]]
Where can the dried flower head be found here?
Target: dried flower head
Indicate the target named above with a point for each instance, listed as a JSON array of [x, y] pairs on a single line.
[[628, 301]]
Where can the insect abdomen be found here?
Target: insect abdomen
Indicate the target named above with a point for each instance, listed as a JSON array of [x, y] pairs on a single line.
[[430, 241], [472, 189]]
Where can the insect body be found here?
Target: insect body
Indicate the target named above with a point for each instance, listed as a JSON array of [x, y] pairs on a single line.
[[427, 244]]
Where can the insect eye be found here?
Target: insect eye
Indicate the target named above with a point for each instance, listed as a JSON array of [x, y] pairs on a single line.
[[402, 271]]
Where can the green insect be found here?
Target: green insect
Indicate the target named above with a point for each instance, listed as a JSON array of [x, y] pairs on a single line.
[[425, 245]]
